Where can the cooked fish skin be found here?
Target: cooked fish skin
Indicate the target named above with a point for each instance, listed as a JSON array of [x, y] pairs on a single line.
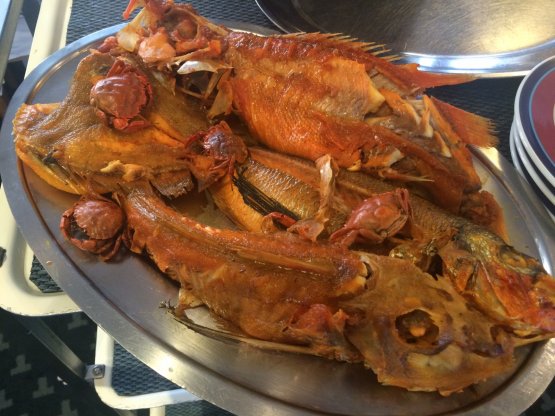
[[258, 189], [307, 130], [73, 150], [328, 300], [420, 334], [263, 284], [276, 79], [331, 95], [511, 287], [293, 183]]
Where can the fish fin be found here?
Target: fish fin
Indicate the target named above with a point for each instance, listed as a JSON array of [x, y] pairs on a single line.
[[471, 128], [376, 58], [173, 184], [258, 200], [426, 79], [340, 40], [481, 208], [454, 135], [132, 5], [225, 331]]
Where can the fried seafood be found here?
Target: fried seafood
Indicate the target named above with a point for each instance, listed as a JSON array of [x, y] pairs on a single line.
[[441, 310], [311, 95], [94, 224], [74, 149], [327, 299], [510, 286], [345, 83]]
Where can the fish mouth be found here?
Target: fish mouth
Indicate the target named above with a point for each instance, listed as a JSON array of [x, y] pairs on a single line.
[[49, 169]]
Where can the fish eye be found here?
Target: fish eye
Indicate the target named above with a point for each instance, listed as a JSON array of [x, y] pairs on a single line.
[[512, 258], [417, 327], [50, 158]]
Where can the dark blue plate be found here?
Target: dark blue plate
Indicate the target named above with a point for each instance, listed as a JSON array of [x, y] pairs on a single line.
[[535, 116]]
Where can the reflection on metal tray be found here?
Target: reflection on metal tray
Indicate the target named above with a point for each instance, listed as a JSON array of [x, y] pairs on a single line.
[[490, 37], [123, 297]]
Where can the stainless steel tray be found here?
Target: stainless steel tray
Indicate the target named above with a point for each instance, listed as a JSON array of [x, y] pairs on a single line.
[[124, 297], [488, 38]]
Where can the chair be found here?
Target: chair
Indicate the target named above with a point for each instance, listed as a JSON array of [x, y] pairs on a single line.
[[121, 381], [9, 15]]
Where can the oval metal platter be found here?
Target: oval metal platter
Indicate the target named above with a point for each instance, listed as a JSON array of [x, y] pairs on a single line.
[[123, 297], [489, 37]]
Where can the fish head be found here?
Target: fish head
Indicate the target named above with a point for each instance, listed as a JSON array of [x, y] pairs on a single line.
[[73, 149], [505, 283], [419, 333], [40, 152], [45, 135]]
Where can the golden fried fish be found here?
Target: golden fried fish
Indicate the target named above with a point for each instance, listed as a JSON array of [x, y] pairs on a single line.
[[316, 94], [75, 146], [413, 331]]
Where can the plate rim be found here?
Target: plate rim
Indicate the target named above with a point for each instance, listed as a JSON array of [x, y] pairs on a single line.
[[528, 172], [533, 172], [523, 117], [284, 15]]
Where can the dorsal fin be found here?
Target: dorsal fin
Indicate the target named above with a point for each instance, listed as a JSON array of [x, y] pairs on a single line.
[[376, 56], [340, 40]]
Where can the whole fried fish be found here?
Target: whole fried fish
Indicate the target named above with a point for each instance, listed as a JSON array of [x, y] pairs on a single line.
[[73, 149], [508, 285], [327, 299], [311, 95]]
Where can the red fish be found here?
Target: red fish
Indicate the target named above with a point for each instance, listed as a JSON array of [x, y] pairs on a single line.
[[312, 95]]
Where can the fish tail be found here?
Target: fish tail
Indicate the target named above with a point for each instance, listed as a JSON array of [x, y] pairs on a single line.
[[431, 79], [471, 128]]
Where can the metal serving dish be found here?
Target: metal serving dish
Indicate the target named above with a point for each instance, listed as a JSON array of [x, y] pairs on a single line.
[[123, 297], [488, 37]]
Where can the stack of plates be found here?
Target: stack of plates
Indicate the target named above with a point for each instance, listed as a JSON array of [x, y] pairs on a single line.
[[533, 132]]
